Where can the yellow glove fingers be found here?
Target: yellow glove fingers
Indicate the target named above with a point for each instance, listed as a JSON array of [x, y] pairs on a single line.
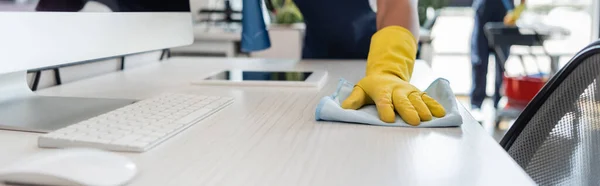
[[357, 99], [385, 108], [386, 112], [435, 108], [512, 16], [422, 109], [404, 107]]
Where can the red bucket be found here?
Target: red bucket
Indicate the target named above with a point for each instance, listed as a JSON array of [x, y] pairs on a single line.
[[521, 90]]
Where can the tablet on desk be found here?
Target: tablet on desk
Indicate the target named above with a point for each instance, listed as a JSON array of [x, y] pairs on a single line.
[[312, 78]]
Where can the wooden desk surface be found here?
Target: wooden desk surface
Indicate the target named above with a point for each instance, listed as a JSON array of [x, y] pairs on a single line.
[[268, 136]]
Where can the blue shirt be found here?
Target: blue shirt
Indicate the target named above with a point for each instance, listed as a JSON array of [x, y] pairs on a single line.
[[337, 29]]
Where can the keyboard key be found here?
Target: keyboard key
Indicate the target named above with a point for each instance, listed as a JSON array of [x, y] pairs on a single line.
[[155, 117], [145, 120], [171, 111], [118, 132], [134, 123], [127, 128], [111, 137], [163, 114]]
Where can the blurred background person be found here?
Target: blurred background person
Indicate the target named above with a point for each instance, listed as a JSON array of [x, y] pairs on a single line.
[[488, 11]]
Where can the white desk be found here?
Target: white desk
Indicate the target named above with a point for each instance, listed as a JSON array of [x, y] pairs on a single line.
[[268, 136]]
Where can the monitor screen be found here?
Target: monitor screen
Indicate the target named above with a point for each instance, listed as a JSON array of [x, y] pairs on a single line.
[[79, 5]]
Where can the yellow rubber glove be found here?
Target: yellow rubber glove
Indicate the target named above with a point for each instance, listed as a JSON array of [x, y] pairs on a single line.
[[511, 17], [389, 68]]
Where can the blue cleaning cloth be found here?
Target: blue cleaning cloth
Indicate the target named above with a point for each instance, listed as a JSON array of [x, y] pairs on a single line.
[[329, 108], [254, 30]]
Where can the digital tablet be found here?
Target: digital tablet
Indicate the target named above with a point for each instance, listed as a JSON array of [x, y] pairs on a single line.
[[312, 78]]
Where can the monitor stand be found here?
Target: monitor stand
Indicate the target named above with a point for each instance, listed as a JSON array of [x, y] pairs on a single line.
[[23, 110]]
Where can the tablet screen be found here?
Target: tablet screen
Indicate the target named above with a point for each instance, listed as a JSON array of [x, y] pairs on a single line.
[[239, 75]]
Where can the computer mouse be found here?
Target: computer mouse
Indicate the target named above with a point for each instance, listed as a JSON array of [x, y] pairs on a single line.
[[70, 167]]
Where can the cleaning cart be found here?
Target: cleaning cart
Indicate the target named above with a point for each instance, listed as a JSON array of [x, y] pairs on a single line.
[[520, 89]]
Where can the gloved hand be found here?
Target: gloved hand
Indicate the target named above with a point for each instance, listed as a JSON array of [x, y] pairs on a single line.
[[512, 16], [386, 84]]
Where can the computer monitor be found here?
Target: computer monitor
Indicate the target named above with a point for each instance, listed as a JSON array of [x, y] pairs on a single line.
[[48, 33]]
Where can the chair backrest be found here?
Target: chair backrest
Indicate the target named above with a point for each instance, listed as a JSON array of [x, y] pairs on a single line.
[[556, 139]]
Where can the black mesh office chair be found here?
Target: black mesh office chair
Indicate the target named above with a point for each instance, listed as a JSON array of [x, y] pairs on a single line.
[[556, 139]]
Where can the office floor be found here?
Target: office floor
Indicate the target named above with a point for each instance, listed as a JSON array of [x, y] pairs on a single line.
[[489, 113]]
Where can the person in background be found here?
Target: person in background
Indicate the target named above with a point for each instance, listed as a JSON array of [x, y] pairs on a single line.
[[349, 29], [488, 11]]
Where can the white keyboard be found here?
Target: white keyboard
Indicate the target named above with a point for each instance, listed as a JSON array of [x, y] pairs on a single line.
[[139, 126]]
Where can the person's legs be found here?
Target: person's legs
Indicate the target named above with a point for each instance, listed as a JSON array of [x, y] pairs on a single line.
[[479, 61], [500, 75], [498, 16]]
